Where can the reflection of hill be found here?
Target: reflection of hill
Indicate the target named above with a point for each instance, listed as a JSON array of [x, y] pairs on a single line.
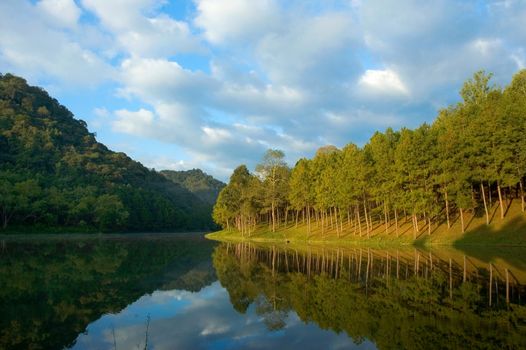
[[403, 301], [52, 289]]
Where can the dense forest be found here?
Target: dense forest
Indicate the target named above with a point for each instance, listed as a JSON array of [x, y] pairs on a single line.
[[472, 157], [55, 175], [198, 182]]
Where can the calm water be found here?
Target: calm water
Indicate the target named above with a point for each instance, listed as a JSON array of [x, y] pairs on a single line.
[[184, 292]]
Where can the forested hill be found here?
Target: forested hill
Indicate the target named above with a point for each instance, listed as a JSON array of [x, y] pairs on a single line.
[[54, 174], [198, 182]]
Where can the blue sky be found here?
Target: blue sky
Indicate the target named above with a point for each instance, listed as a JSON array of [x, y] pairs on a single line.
[[214, 83]]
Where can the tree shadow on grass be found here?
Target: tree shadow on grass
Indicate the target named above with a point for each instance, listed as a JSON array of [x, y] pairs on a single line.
[[488, 244]]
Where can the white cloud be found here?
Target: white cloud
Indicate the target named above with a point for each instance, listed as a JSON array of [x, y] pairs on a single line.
[[62, 12], [486, 46], [288, 74], [225, 20], [133, 122], [32, 48], [139, 31], [160, 80], [216, 135], [383, 82], [310, 50]]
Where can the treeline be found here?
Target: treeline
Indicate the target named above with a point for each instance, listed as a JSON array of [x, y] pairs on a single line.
[[55, 175], [471, 157]]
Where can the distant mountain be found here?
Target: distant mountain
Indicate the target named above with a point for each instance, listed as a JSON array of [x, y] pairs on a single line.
[[198, 182], [54, 174]]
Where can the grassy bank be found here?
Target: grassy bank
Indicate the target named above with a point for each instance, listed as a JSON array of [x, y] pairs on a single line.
[[510, 231]]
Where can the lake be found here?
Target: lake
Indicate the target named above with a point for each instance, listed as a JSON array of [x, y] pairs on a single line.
[[182, 291]]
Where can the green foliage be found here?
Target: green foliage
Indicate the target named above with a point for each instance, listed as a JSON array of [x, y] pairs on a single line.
[[473, 152], [196, 181], [53, 173]]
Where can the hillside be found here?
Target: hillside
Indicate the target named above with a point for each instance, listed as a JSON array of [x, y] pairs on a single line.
[[55, 175], [198, 182]]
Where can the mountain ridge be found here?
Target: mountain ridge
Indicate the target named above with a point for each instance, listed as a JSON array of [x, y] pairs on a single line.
[[203, 185], [54, 173]]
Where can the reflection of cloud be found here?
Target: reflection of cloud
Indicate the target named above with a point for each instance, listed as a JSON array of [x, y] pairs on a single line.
[[203, 320]]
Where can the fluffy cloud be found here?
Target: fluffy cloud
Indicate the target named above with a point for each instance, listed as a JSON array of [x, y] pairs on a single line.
[[140, 31], [30, 46], [62, 12], [226, 79], [382, 82], [135, 123], [225, 20]]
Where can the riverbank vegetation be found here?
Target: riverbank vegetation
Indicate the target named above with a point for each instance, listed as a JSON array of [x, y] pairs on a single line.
[[468, 165]]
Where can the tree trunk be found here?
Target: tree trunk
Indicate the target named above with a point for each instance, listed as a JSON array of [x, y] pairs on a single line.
[[462, 219], [322, 223], [297, 215], [522, 194], [489, 195], [396, 222], [359, 219], [308, 219], [447, 212], [385, 219], [485, 205], [429, 226], [341, 221], [500, 202], [414, 225], [366, 217]]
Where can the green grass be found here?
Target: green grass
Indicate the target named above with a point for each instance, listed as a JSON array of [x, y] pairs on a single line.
[[510, 231]]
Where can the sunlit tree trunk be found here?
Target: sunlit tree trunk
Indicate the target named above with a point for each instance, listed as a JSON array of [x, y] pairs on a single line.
[[396, 222], [429, 226], [461, 219], [485, 205], [359, 219], [366, 217], [447, 211], [308, 219], [500, 202], [385, 219]]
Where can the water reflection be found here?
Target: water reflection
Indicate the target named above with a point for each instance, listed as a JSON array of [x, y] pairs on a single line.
[[398, 299], [52, 288], [202, 320], [189, 293]]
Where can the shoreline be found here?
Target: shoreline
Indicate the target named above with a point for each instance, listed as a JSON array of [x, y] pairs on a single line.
[[365, 243]]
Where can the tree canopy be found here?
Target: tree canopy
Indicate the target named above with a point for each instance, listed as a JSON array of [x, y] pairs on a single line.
[[54, 174], [471, 157]]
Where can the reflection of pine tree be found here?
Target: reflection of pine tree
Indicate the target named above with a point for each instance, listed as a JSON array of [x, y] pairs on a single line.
[[405, 299]]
